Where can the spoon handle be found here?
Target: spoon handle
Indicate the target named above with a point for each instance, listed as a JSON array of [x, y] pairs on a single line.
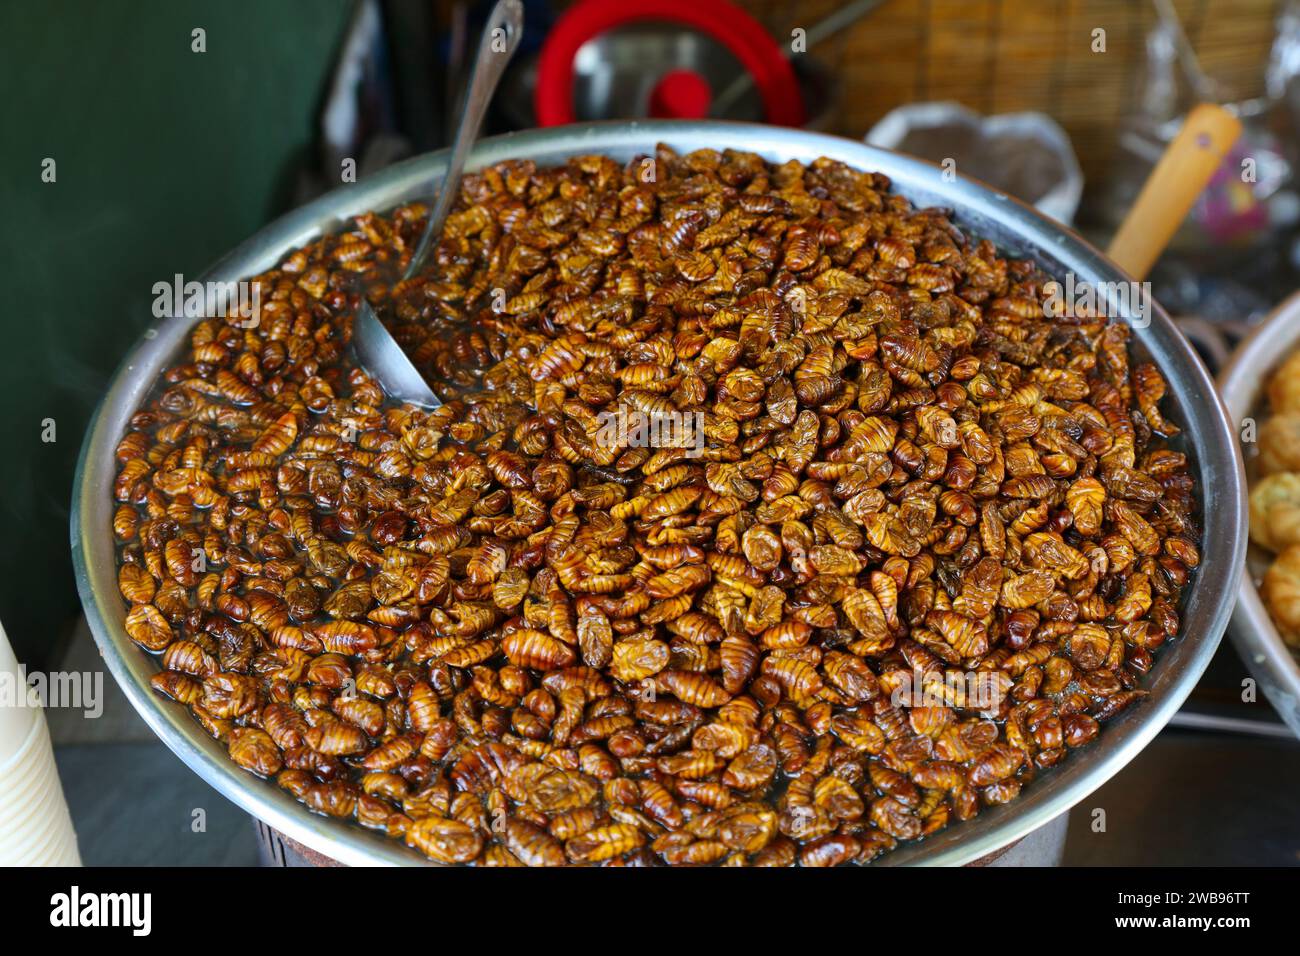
[[501, 35], [1178, 179]]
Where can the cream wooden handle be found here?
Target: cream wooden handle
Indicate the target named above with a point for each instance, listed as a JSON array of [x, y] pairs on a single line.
[[1167, 195]]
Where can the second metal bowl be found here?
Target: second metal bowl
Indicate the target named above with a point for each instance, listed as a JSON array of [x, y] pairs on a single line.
[[1243, 383]]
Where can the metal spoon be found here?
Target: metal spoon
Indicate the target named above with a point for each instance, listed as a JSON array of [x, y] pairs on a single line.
[[378, 351]]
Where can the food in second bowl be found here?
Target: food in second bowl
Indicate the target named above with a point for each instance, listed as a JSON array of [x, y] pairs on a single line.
[[1275, 500]]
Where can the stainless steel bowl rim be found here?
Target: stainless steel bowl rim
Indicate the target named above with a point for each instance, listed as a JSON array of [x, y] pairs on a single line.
[[1016, 229], [1242, 384]]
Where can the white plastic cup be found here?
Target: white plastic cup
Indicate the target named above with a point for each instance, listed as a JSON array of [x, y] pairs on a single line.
[[52, 843], [16, 722], [26, 781], [35, 827]]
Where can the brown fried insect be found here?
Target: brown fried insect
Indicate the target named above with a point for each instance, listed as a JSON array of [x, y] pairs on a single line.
[[444, 840]]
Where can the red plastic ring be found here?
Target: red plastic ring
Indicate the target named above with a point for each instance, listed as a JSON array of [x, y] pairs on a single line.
[[737, 30], [681, 94]]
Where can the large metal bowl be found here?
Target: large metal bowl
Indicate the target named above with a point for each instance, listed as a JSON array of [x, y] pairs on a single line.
[[1017, 229], [1242, 384]]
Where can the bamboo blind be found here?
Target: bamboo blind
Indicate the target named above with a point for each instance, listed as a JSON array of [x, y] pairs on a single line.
[[998, 56]]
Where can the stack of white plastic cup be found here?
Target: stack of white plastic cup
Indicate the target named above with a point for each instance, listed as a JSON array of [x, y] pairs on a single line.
[[35, 828]]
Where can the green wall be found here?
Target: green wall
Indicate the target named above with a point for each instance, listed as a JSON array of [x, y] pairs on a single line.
[[166, 159]]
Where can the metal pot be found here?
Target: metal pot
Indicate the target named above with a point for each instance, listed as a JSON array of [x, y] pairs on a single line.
[[1044, 847], [1274, 665], [1208, 439]]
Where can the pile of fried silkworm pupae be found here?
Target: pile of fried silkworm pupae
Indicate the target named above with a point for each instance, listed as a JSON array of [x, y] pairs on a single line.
[[928, 541]]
